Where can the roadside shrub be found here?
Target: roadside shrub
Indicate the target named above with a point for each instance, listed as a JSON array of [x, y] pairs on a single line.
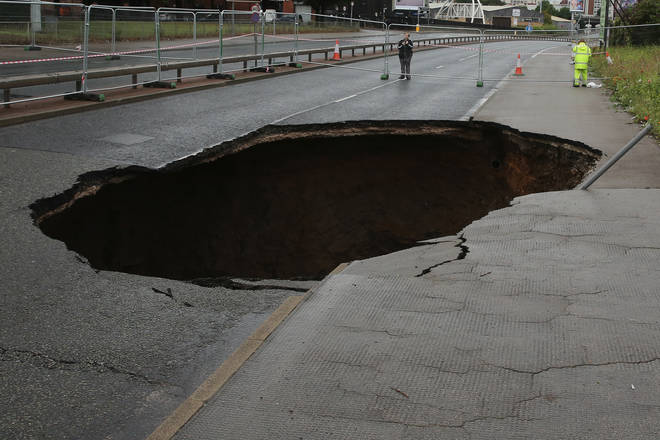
[[644, 12], [634, 79]]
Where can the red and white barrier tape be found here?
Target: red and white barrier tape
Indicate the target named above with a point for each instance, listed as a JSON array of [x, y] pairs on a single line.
[[127, 52], [183, 46]]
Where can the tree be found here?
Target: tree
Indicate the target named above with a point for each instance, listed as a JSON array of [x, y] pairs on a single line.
[[547, 17], [644, 12], [564, 13], [546, 6], [320, 6]]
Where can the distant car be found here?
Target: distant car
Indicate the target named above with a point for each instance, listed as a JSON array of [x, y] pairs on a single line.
[[287, 18], [207, 17], [270, 15]]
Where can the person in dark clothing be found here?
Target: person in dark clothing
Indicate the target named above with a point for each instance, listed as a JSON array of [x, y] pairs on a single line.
[[405, 55]]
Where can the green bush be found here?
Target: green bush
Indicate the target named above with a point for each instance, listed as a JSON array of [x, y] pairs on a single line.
[[634, 79], [644, 12]]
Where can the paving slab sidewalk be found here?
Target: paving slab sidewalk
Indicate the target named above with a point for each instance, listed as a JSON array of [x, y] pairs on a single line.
[[539, 321], [582, 114], [547, 328]]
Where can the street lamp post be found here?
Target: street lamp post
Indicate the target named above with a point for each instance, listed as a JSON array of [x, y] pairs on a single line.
[[233, 19], [606, 35]]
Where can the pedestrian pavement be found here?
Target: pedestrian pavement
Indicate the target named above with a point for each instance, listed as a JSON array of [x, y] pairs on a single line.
[[540, 320], [582, 114]]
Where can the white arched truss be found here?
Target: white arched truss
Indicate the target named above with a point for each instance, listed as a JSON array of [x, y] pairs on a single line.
[[449, 9]]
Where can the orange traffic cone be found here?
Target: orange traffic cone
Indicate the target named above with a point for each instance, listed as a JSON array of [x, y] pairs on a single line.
[[518, 68], [336, 56]]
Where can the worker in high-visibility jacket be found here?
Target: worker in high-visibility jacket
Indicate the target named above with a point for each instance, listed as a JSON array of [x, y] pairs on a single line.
[[581, 54]]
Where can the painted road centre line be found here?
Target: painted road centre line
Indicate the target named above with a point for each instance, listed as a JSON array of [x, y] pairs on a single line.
[[277, 121], [344, 99], [482, 101], [467, 58]]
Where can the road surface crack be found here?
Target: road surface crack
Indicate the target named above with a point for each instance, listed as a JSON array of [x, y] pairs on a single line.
[[230, 284], [464, 251], [168, 293], [572, 366], [368, 330], [42, 360]]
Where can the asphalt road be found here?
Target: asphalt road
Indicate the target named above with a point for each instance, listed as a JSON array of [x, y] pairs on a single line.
[[246, 45], [179, 50], [444, 87], [87, 355]]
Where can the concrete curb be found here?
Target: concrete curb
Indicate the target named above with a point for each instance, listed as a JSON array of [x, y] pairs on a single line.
[[205, 392]]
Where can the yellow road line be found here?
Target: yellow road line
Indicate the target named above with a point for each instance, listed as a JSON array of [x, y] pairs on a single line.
[[175, 421]]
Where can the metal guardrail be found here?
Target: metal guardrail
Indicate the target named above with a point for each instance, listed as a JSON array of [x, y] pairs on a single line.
[[75, 76], [9, 83]]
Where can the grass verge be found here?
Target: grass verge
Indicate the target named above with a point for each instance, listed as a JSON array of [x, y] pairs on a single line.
[[634, 79], [71, 31]]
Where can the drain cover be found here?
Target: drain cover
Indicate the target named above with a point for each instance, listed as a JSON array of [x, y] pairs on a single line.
[[127, 139]]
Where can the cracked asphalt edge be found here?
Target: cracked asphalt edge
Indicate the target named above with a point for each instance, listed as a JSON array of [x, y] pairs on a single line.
[[40, 359], [189, 407], [464, 251]]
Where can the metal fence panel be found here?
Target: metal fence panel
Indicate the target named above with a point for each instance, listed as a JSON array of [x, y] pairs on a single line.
[[459, 48], [97, 48], [120, 37], [518, 45], [41, 38]]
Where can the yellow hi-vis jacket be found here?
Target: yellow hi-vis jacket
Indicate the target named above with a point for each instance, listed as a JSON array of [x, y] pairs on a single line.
[[582, 53]]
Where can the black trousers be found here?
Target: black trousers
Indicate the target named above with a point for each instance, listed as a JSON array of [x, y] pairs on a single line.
[[405, 65]]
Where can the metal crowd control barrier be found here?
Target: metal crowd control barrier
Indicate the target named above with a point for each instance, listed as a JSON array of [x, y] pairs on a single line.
[[346, 33], [134, 71], [179, 23], [217, 63], [429, 36], [490, 35], [286, 26], [220, 73], [198, 41], [84, 92], [49, 27]]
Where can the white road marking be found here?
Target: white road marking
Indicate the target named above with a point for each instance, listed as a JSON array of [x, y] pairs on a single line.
[[482, 101], [440, 67], [344, 99], [334, 102], [467, 58], [478, 104], [541, 51]]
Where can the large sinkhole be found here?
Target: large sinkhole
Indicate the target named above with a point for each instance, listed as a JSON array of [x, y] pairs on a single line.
[[294, 201]]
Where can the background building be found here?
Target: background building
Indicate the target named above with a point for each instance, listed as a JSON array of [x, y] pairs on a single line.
[[508, 16]]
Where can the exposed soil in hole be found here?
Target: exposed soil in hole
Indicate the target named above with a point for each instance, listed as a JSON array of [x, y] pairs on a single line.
[[294, 201]]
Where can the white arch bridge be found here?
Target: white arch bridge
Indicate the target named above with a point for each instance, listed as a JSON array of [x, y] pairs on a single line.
[[449, 10]]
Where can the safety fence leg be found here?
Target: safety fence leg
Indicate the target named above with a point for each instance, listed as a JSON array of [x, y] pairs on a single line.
[[386, 66], [83, 95], [217, 68]]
